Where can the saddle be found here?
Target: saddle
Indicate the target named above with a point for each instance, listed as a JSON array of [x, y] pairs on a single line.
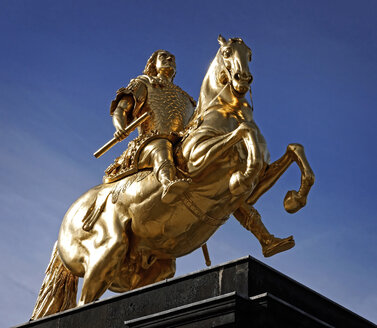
[[127, 163]]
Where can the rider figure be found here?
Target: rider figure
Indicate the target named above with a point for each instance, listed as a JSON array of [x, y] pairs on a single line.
[[170, 109]]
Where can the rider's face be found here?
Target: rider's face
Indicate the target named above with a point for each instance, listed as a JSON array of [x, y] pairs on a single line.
[[165, 60]]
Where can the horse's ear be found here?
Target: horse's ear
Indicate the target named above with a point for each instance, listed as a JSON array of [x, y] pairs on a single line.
[[221, 40]]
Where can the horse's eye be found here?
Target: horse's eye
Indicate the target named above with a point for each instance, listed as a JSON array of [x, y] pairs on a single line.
[[227, 52]]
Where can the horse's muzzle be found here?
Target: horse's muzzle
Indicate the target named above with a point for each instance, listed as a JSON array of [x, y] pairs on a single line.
[[240, 89], [241, 82]]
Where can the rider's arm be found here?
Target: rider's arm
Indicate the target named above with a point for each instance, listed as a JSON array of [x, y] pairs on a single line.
[[125, 105]]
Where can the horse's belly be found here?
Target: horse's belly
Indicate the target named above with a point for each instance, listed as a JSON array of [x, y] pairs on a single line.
[[160, 222], [179, 244], [178, 231]]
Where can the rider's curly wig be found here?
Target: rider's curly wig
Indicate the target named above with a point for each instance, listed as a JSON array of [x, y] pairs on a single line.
[[150, 67]]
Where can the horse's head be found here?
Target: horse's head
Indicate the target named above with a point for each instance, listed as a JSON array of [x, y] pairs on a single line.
[[228, 77], [235, 55]]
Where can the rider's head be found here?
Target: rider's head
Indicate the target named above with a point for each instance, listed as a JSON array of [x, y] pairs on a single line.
[[161, 60]]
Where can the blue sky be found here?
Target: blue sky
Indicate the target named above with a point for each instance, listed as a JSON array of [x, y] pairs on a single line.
[[315, 77]]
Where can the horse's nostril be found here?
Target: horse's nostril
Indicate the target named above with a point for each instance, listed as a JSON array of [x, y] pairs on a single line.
[[250, 79]]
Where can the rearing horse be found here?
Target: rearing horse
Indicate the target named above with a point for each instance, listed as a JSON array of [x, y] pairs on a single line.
[[133, 238]]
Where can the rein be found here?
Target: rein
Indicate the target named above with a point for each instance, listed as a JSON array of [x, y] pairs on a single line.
[[251, 100], [213, 99]]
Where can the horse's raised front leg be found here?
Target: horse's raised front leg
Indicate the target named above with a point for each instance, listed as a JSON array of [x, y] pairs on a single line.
[[294, 200], [201, 152], [242, 182], [250, 219]]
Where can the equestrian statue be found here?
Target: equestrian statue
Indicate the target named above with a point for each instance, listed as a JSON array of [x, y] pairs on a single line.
[[190, 168]]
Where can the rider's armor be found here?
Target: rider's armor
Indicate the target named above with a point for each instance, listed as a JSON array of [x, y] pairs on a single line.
[[170, 109]]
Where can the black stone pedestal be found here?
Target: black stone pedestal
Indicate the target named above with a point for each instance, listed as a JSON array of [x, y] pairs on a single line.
[[241, 293]]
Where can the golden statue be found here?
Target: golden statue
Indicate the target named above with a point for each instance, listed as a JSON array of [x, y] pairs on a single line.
[[174, 186], [170, 109]]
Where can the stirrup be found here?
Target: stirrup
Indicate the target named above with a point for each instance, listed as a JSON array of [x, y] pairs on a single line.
[[174, 189]]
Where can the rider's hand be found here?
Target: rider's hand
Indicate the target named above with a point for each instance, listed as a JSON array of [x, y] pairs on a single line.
[[120, 134]]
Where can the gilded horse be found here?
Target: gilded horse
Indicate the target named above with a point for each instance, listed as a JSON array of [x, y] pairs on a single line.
[[120, 236]]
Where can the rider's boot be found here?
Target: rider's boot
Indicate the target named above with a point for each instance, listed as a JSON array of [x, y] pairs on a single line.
[[173, 187], [250, 219]]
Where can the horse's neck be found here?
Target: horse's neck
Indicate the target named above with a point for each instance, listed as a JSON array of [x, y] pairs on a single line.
[[211, 87]]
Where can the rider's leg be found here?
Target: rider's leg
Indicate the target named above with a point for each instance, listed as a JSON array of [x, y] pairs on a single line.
[[163, 162], [160, 156], [250, 219], [293, 200]]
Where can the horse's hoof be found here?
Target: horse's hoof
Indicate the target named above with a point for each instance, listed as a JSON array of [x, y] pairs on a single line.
[[238, 184], [174, 189], [293, 202], [277, 245]]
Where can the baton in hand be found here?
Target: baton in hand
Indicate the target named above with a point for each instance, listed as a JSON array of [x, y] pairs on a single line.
[[111, 143]]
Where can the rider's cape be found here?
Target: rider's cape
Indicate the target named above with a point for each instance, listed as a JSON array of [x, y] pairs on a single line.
[[170, 109]]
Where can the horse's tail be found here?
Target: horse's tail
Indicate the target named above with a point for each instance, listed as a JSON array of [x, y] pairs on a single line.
[[59, 289]]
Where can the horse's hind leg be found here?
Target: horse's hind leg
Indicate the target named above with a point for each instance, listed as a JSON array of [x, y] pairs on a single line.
[[250, 219], [105, 257], [160, 270], [294, 200]]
